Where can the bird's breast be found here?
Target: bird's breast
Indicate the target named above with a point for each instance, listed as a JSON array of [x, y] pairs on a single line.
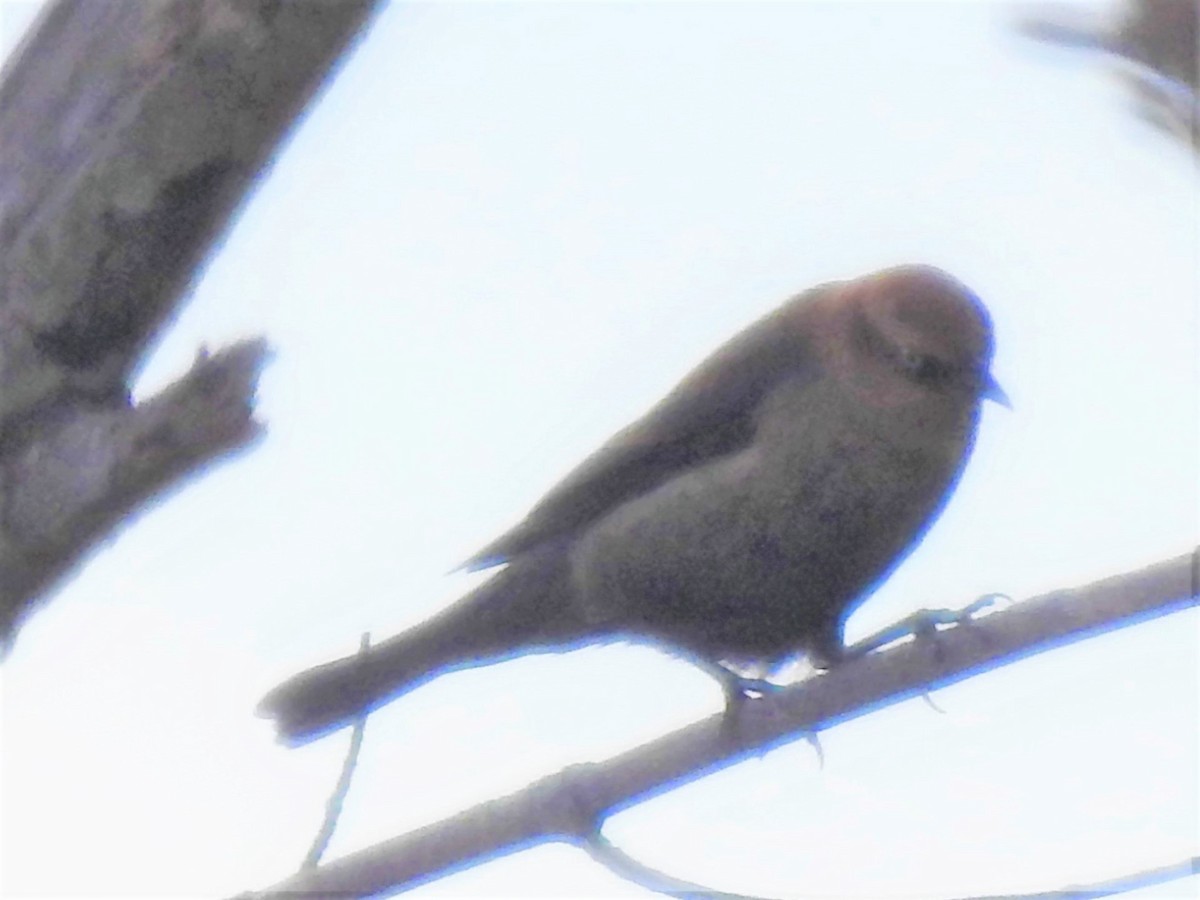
[[751, 553]]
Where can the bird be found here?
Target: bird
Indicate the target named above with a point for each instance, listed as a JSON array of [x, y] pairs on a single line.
[[738, 522]]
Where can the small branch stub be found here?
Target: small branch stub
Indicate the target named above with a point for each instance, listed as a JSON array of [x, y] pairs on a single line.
[[92, 467]]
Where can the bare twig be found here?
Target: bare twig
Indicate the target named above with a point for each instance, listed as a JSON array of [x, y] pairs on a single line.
[[625, 866], [1154, 44], [333, 806], [1120, 885]]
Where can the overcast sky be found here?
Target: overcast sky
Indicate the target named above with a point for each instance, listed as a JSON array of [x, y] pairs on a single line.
[[502, 233]]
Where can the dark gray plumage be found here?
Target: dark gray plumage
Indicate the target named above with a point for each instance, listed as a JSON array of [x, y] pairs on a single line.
[[741, 519]]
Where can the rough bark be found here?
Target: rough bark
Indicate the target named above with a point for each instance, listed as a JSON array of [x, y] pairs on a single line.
[[129, 135]]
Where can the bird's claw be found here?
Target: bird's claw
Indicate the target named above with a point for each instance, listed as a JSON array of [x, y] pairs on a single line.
[[814, 740], [928, 698]]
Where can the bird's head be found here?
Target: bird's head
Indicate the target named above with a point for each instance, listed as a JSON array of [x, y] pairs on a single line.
[[912, 333]]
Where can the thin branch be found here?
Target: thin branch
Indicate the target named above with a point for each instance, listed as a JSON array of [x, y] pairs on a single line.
[[1153, 44], [569, 805], [333, 806], [632, 870], [624, 866], [1187, 868]]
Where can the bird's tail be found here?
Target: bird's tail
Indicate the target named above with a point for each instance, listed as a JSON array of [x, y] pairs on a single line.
[[525, 607]]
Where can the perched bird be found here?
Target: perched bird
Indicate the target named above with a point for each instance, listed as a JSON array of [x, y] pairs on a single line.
[[740, 520]]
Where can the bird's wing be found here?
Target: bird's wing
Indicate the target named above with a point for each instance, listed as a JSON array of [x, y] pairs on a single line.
[[710, 414]]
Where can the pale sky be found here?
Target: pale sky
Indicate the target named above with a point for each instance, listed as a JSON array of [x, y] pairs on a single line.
[[502, 233]]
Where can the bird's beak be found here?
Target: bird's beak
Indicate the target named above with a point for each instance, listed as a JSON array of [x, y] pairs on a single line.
[[990, 389]]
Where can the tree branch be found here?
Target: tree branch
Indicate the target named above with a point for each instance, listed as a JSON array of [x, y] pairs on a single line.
[[569, 805], [1154, 43], [129, 135], [78, 478]]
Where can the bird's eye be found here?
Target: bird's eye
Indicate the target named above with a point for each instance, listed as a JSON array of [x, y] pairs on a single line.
[[922, 368]]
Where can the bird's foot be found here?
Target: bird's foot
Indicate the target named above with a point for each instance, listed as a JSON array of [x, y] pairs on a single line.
[[739, 691], [751, 688], [922, 624]]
